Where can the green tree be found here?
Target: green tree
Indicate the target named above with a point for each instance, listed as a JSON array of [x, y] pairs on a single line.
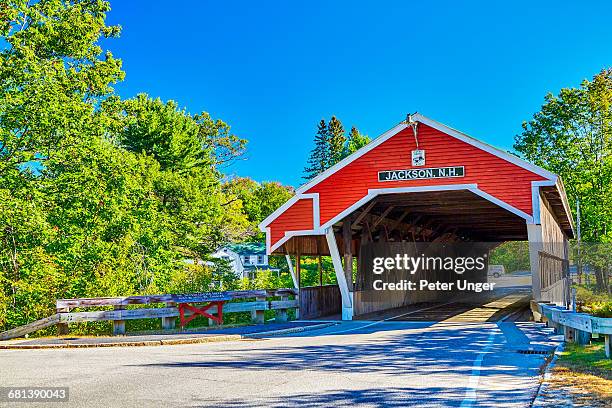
[[597, 255], [99, 196], [319, 158], [513, 255], [52, 75], [243, 190], [258, 201], [175, 138], [271, 195], [164, 131], [331, 145], [189, 150], [572, 136], [336, 140], [216, 137], [356, 140]]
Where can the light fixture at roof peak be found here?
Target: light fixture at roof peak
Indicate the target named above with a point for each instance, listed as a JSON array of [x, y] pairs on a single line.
[[414, 125]]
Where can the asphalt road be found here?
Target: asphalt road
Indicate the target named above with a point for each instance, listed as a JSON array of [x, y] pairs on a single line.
[[359, 363]]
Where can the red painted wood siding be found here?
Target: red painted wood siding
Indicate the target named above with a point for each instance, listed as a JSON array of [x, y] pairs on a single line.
[[498, 177], [501, 179], [295, 218]]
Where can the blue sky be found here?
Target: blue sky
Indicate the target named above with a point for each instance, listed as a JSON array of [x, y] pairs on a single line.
[[272, 70]]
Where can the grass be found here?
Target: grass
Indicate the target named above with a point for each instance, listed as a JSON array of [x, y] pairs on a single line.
[[590, 358], [587, 371]]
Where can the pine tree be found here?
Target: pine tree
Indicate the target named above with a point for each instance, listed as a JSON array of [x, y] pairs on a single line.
[[319, 156], [336, 141]]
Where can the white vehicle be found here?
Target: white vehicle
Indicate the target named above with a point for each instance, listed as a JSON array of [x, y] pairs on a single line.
[[496, 270]]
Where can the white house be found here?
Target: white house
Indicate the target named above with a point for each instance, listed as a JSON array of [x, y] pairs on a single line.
[[246, 259]]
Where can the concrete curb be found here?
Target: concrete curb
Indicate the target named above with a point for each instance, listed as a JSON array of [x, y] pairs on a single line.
[[210, 339], [291, 330], [538, 401], [169, 342]]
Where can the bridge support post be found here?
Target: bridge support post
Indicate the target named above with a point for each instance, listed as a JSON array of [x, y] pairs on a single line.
[[347, 296], [296, 284], [534, 234], [292, 271], [572, 335]]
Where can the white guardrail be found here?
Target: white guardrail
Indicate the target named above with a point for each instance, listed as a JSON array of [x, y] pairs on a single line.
[[576, 327]]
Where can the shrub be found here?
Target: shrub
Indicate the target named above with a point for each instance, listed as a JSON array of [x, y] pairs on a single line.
[[598, 309]]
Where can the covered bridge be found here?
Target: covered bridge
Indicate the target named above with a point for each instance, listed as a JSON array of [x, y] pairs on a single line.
[[423, 181]]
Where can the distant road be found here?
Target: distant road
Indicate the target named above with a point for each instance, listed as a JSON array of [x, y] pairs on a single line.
[[521, 278]]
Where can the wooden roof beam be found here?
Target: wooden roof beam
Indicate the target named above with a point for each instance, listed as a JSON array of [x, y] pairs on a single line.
[[382, 217], [365, 212]]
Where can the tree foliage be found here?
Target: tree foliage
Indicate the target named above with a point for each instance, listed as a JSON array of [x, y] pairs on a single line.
[[572, 136], [176, 139], [101, 196], [52, 74], [336, 140], [356, 140], [258, 201], [513, 255], [320, 156], [332, 145]]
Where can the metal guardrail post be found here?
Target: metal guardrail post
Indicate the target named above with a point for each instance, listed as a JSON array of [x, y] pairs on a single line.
[[576, 327]]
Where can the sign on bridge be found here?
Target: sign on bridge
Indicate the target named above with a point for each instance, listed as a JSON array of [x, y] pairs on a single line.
[[418, 174]]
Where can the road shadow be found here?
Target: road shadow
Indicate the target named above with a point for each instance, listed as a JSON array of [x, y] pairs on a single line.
[[441, 350], [444, 348], [372, 397]]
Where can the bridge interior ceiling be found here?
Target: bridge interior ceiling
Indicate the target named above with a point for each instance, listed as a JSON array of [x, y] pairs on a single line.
[[445, 215], [442, 216]]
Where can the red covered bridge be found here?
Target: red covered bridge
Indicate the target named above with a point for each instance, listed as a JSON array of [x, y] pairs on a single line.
[[423, 181]]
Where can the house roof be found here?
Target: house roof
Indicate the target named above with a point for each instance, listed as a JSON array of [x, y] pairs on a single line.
[[248, 248]]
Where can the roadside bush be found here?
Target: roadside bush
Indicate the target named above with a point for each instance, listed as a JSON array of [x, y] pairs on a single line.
[[585, 295], [598, 309], [596, 304]]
